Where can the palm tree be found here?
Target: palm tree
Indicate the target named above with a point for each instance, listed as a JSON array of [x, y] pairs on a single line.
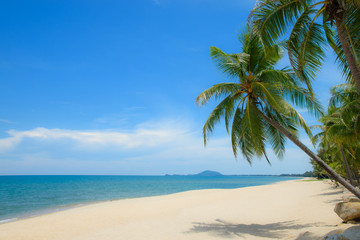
[[255, 104], [335, 139], [312, 23], [341, 127]]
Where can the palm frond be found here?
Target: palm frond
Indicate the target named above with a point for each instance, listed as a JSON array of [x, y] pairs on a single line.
[[317, 138], [217, 91], [301, 97], [306, 48], [297, 118], [272, 18], [277, 140], [236, 132], [268, 93], [233, 65]]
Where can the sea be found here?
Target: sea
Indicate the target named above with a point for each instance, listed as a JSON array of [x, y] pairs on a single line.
[[28, 196]]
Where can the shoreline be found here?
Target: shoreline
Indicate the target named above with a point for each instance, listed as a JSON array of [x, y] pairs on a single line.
[[61, 208], [64, 207], [42, 212], [282, 210]]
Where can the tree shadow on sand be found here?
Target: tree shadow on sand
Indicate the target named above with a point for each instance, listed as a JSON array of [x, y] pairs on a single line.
[[225, 229], [340, 192]]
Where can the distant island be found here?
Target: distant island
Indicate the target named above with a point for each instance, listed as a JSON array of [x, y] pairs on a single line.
[[206, 173]]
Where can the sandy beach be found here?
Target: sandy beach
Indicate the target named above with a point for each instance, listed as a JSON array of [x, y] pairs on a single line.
[[286, 210]]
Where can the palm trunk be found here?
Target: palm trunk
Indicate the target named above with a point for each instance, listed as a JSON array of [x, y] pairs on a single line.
[[318, 160], [357, 177], [347, 169], [349, 55]]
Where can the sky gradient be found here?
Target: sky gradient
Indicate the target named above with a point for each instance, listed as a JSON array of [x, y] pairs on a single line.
[[109, 87]]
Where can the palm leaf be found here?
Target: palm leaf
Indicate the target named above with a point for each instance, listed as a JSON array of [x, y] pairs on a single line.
[[217, 91], [272, 18], [230, 64], [277, 140], [306, 48]]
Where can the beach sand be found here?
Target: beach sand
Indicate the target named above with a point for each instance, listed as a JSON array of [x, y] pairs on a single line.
[[283, 210]]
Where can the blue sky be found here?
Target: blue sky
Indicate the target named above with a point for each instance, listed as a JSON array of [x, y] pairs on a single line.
[[109, 87]]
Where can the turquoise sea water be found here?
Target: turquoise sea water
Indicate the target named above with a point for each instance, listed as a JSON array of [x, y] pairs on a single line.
[[25, 196]]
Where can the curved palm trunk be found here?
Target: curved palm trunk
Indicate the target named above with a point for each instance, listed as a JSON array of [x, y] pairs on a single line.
[[318, 160], [353, 65], [347, 169]]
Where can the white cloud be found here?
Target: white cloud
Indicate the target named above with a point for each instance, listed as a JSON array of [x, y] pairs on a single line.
[[143, 136], [169, 146], [9, 143]]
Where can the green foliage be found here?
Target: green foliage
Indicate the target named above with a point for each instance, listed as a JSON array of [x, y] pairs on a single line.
[[310, 25], [339, 137], [258, 89]]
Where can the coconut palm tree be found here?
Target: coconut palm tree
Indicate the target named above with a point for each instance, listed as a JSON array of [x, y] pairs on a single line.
[[254, 106], [335, 140], [339, 137], [313, 23]]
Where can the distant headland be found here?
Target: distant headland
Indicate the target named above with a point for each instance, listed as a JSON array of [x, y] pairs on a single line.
[[209, 173], [206, 173]]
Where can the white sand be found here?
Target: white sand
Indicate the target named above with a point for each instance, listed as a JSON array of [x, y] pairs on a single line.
[[278, 211]]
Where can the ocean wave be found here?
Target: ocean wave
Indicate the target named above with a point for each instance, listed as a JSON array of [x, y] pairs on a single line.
[[7, 220]]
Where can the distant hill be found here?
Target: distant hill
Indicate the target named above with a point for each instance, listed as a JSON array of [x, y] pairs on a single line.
[[208, 173]]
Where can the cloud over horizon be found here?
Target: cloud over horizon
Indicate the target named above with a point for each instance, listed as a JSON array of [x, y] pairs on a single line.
[[166, 146], [145, 135]]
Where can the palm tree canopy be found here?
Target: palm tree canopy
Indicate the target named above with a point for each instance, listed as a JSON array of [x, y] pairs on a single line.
[[257, 89], [339, 138], [311, 25], [343, 118]]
